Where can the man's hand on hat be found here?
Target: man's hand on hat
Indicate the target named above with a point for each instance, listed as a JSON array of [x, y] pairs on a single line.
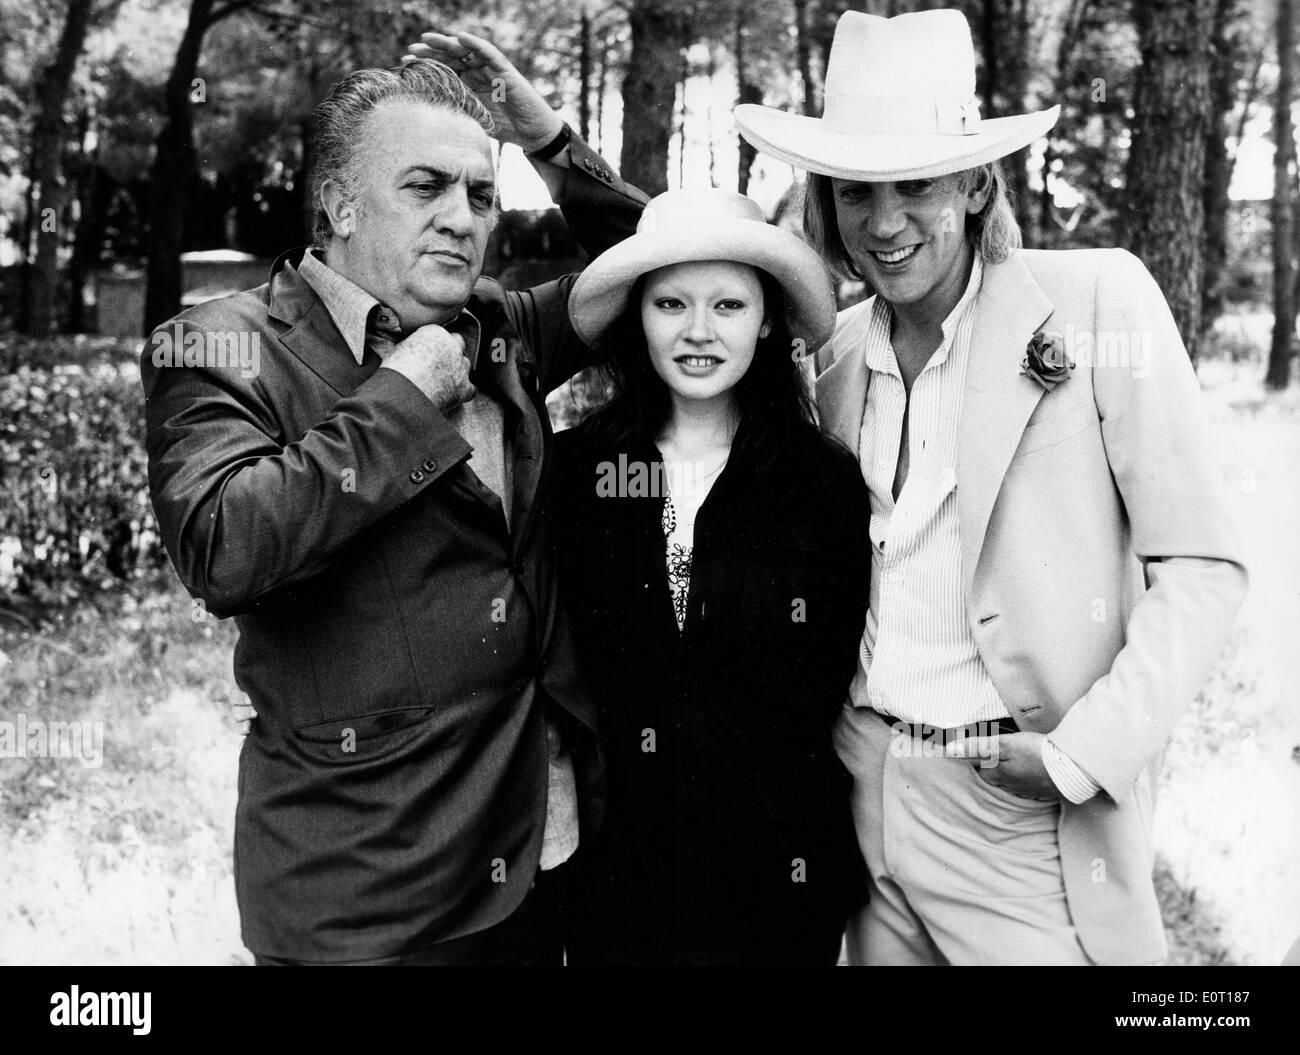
[[434, 361], [1017, 765], [522, 116]]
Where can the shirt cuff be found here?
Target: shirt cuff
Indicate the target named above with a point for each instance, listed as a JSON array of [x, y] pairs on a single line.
[[1070, 780], [560, 835]]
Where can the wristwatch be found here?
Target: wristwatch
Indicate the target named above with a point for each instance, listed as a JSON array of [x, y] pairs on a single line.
[[557, 144]]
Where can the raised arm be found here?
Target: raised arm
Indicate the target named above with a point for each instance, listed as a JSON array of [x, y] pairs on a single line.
[[599, 207]]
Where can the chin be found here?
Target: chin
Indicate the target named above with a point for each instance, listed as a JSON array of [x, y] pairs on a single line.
[[445, 298], [704, 395], [902, 292]]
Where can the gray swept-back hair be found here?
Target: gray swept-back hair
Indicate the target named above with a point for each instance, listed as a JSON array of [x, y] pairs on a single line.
[[339, 122], [993, 231]]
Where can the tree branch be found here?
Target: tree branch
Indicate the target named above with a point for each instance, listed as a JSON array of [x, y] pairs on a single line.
[[226, 10]]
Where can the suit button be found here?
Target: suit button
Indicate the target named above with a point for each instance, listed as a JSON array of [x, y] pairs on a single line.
[[430, 465], [416, 476]]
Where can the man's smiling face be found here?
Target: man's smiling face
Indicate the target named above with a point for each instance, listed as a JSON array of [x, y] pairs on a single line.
[[908, 239], [424, 207]]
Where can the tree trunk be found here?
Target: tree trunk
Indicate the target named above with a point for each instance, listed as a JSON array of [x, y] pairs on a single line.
[[29, 226], [803, 57], [1003, 86], [91, 207], [710, 70], [47, 172], [1016, 165], [175, 171], [87, 249], [600, 93], [1218, 169], [584, 76], [1295, 233], [1164, 213], [683, 75], [1284, 305], [649, 97], [1071, 28], [746, 92], [1045, 201], [988, 74], [820, 31]]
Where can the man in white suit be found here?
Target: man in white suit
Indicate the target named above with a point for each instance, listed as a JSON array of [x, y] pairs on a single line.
[[1054, 570]]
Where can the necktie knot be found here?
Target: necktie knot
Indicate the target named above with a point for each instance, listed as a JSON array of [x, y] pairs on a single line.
[[383, 331]]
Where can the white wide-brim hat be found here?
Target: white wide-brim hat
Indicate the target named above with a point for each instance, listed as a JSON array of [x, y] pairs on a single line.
[[900, 104], [682, 226]]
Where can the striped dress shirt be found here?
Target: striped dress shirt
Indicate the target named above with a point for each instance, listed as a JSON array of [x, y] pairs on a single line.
[[918, 660]]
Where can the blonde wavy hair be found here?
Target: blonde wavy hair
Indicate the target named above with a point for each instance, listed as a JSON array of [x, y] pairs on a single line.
[[993, 231]]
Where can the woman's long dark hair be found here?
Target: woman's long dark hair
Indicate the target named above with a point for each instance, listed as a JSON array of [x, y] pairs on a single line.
[[773, 398]]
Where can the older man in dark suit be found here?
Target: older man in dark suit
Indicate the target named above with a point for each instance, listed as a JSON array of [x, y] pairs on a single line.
[[359, 492]]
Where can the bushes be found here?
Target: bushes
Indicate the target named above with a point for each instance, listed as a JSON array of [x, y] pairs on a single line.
[[75, 517]]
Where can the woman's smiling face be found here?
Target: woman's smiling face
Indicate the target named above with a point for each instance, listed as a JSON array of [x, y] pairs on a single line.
[[702, 321]]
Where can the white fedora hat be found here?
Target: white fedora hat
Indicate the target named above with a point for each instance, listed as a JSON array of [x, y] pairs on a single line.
[[680, 226], [900, 104]]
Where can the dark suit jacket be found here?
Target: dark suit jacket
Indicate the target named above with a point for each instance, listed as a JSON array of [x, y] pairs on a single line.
[[722, 775], [398, 642]]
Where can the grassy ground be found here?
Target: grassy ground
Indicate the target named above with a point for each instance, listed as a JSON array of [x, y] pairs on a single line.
[[1228, 817], [130, 862]]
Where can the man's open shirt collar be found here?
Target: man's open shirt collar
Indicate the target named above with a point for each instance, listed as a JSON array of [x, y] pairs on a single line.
[[352, 308], [879, 347]]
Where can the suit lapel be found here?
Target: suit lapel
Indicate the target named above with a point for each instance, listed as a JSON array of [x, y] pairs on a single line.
[[317, 343], [312, 335], [522, 416], [842, 387], [997, 400]]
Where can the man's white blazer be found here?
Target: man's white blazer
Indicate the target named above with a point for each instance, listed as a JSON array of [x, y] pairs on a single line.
[[1101, 569]]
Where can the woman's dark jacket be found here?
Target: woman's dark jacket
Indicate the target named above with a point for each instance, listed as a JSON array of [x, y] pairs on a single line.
[[728, 823]]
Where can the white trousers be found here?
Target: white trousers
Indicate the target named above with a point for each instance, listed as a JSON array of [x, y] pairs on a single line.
[[961, 872]]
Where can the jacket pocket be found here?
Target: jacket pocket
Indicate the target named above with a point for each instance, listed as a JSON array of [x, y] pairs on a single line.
[[365, 738], [356, 642]]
